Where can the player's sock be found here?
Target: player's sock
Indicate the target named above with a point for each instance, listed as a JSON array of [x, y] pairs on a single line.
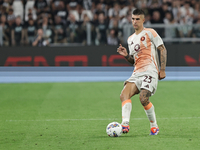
[[126, 111], [149, 109]]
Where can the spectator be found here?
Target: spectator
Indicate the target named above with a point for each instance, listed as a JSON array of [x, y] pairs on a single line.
[[11, 17], [123, 8], [88, 13], [168, 19], [72, 7], [18, 8], [115, 12], [131, 7], [197, 18], [185, 28], [104, 14], [113, 37], [147, 19], [40, 40], [84, 10], [176, 10], [40, 19], [29, 8], [101, 29], [156, 19], [61, 11], [83, 29], [126, 20], [196, 11], [73, 26], [164, 9], [193, 3], [187, 11], [54, 5], [126, 26], [100, 8], [154, 4], [17, 33], [109, 3], [49, 2], [46, 26], [3, 11], [1, 2], [59, 30], [30, 31], [5, 31], [87, 4], [41, 7], [31, 15], [141, 4], [114, 22], [196, 29], [170, 31], [7, 4]]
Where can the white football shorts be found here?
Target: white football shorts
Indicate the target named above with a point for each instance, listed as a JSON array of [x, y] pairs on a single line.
[[145, 80]]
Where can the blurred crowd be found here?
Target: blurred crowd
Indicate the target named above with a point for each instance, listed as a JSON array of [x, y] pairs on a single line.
[[41, 22]]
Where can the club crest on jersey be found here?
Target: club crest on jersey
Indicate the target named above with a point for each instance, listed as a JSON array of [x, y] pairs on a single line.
[[137, 47], [142, 38]]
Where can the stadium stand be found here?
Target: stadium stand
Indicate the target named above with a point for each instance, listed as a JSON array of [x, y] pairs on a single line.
[[92, 22]]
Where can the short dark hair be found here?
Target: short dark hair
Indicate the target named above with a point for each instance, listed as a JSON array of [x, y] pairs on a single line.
[[138, 12]]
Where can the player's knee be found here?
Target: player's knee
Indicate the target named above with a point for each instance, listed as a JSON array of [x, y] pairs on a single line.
[[123, 97]]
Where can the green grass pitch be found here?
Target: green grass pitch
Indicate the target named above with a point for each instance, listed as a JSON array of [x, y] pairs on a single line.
[[74, 116]]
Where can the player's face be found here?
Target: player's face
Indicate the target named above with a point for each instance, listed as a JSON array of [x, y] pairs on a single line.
[[137, 21]]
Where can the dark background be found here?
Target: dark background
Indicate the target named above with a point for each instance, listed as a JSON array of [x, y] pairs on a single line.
[[177, 55]]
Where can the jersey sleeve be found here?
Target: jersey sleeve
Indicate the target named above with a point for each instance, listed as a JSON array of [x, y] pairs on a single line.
[[155, 38], [129, 47]]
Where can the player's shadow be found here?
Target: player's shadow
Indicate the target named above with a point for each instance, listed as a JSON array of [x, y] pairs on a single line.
[[123, 136], [183, 136]]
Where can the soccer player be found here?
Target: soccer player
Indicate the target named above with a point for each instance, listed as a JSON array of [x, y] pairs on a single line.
[[143, 45]]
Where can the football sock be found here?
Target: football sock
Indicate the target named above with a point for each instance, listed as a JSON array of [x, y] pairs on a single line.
[[149, 109], [126, 111]]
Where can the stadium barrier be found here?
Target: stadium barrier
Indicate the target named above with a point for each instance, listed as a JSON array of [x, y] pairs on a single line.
[[177, 55], [86, 74]]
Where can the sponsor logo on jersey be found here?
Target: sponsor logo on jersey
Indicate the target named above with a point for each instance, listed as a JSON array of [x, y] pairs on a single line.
[[142, 38], [147, 86], [137, 47]]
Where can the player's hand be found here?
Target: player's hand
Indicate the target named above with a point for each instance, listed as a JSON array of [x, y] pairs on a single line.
[[162, 74], [122, 50]]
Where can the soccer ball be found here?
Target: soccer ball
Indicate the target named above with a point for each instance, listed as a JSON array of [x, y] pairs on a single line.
[[114, 129]]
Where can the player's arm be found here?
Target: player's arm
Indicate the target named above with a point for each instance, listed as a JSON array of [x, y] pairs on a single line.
[[122, 51], [163, 61], [130, 58]]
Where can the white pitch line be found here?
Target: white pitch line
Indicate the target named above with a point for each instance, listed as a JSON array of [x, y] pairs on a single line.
[[91, 119]]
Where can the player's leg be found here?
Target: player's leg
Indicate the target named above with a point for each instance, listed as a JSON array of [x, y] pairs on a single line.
[[128, 91], [149, 109]]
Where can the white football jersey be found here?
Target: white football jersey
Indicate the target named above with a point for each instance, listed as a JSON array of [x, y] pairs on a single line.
[[143, 47]]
